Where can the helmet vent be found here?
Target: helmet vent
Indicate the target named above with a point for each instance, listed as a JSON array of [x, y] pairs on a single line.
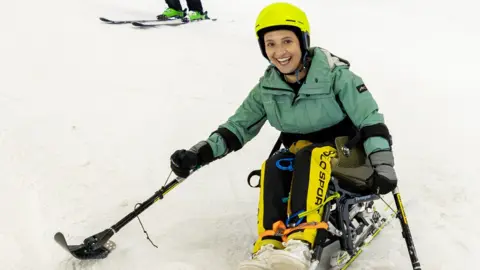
[[288, 20]]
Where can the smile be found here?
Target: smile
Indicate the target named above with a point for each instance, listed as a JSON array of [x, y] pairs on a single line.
[[284, 61]]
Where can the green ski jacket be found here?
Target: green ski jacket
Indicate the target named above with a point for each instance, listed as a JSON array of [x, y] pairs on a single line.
[[331, 93]]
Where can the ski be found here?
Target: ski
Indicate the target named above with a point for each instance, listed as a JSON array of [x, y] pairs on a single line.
[[367, 241], [174, 22], [177, 22], [366, 238], [155, 22], [108, 21], [158, 23]]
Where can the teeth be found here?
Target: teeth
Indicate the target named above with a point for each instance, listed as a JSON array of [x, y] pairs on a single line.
[[283, 61]]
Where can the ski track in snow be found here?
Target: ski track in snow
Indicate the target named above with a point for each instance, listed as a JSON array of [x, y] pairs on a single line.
[[90, 113]]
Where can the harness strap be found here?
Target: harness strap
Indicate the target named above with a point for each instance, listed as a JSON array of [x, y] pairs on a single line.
[[280, 230]]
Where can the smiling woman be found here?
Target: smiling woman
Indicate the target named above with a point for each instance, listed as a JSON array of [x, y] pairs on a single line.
[[314, 100], [283, 50]]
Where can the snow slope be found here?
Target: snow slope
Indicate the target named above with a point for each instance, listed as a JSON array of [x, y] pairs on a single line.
[[90, 113]]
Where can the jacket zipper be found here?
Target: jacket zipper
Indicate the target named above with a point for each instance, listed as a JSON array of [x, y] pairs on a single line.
[[294, 98]]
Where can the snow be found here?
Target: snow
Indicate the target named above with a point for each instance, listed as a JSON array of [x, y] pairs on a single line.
[[90, 113]]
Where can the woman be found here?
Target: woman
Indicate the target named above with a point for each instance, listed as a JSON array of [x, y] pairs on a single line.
[[312, 97], [175, 10]]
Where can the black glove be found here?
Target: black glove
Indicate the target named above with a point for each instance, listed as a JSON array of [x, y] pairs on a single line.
[[384, 178], [182, 162]]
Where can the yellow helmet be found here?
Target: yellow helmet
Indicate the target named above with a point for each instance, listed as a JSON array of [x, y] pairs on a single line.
[[283, 15]]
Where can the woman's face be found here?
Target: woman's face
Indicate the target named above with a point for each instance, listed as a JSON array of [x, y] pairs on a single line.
[[283, 50]]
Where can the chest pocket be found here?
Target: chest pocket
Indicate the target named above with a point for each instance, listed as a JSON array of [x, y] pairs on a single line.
[[319, 105], [277, 108]]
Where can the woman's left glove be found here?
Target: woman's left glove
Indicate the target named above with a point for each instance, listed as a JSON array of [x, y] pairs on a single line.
[[384, 178]]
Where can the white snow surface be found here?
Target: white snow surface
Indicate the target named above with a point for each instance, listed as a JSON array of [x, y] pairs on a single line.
[[90, 114]]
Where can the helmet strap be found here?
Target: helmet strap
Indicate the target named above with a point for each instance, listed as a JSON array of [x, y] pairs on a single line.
[[299, 68]]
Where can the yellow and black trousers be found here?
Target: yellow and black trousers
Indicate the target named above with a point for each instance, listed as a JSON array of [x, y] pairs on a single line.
[[293, 191]]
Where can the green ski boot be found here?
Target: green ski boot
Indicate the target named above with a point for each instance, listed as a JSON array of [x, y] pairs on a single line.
[[195, 16], [171, 14]]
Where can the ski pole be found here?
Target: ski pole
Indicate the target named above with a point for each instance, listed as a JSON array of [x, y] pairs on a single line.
[[98, 246], [406, 230]]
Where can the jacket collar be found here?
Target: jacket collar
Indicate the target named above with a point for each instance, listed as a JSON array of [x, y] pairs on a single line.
[[319, 75]]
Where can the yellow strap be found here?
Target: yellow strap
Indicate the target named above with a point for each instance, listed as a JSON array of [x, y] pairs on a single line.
[[298, 145]]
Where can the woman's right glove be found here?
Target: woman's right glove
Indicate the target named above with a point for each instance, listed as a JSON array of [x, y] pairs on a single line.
[[183, 161]]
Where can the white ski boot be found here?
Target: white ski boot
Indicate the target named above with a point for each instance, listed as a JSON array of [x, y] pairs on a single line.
[[296, 256], [259, 260]]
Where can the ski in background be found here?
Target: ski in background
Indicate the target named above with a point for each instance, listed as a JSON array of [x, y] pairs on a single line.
[[156, 22], [176, 22]]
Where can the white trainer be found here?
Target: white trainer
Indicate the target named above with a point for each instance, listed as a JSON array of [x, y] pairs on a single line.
[[259, 260]]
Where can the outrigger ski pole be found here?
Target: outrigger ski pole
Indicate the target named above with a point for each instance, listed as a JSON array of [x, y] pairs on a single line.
[[406, 230], [98, 246]]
